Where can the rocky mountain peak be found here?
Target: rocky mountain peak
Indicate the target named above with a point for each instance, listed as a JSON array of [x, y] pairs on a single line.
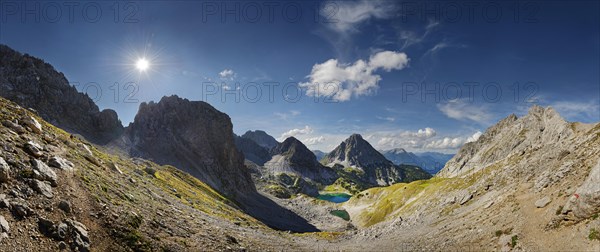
[[261, 138], [292, 156], [355, 151], [541, 127], [192, 136], [398, 151], [33, 83], [296, 151]]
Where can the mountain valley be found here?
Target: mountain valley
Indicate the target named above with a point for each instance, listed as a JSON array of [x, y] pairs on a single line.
[[179, 179]]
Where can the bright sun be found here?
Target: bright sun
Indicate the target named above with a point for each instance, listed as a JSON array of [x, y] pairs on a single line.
[[142, 64]]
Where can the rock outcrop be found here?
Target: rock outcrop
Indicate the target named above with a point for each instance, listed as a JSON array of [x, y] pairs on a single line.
[[33, 83], [192, 136], [355, 152]]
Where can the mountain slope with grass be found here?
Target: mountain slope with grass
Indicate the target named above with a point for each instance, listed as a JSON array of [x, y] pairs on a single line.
[[60, 191], [525, 184]]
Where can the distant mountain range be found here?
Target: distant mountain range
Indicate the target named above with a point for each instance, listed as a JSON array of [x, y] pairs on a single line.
[[319, 154], [432, 162]]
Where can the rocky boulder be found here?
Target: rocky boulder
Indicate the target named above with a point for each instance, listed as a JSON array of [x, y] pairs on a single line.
[[543, 202], [43, 172], [586, 200], [60, 163], [42, 188], [4, 227], [4, 171]]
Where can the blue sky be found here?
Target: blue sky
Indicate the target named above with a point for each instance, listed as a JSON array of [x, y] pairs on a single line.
[[389, 70]]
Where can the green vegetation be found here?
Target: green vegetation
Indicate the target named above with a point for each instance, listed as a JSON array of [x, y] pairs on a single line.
[[341, 213], [321, 235], [594, 234], [278, 191], [595, 216], [384, 203], [513, 241], [559, 210], [26, 173], [499, 233], [349, 180]]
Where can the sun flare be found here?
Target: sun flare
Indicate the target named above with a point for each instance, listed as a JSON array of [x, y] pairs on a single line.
[[142, 64]]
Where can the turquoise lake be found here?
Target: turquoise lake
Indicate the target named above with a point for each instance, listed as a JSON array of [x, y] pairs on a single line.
[[335, 197]]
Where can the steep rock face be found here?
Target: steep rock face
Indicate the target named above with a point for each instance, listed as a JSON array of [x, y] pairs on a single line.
[[292, 156], [261, 138], [32, 83], [358, 153], [540, 128], [252, 151], [192, 136]]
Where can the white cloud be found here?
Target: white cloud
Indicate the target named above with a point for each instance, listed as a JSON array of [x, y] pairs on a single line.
[[426, 133], [288, 115], [314, 140], [388, 60], [345, 16], [296, 132], [342, 81], [426, 139], [474, 137], [445, 143], [400, 139], [452, 143], [460, 109], [227, 74]]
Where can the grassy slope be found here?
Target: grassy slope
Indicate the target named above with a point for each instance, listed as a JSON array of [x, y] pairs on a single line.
[[144, 206], [379, 204]]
